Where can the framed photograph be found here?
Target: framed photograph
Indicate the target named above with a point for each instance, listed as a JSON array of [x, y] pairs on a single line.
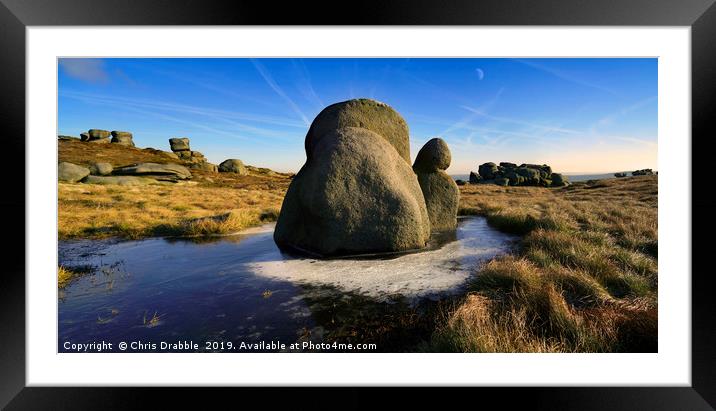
[[464, 195]]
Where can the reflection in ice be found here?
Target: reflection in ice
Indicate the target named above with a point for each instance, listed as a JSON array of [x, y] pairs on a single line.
[[412, 275]]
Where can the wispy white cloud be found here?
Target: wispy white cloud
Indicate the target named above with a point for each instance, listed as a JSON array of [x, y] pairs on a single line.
[[522, 122], [483, 109], [306, 86], [638, 141], [275, 87], [88, 70], [209, 81], [610, 118], [567, 76], [162, 105], [160, 109]]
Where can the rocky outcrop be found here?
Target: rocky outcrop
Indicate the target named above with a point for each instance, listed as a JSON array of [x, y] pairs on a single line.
[[644, 172], [101, 169], [439, 190], [180, 147], [522, 175], [233, 165], [124, 138], [164, 172], [356, 193], [620, 175], [71, 173]]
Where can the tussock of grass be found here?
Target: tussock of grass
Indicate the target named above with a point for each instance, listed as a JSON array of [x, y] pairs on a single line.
[[583, 280], [230, 222], [64, 276]]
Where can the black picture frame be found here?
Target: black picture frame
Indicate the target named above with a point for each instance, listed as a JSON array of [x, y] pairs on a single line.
[[700, 15]]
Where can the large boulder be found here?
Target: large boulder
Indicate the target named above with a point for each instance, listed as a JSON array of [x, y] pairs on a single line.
[[475, 178], [439, 189], [84, 136], [101, 169], [644, 172], [371, 115], [179, 144], [71, 173], [233, 165], [355, 194], [124, 138], [168, 171]]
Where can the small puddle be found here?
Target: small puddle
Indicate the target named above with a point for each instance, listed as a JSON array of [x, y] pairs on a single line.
[[241, 288]]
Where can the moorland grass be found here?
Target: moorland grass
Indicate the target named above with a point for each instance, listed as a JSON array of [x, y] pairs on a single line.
[[96, 211], [584, 277]]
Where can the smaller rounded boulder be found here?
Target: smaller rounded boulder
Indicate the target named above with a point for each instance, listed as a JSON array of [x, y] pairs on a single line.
[[434, 156], [101, 169], [439, 189], [233, 165], [71, 173]]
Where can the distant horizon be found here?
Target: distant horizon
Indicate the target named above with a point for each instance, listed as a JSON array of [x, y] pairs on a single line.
[[572, 173], [570, 113]]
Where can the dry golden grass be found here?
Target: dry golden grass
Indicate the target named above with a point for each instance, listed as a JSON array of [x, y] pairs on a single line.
[[64, 276], [92, 211], [583, 280]]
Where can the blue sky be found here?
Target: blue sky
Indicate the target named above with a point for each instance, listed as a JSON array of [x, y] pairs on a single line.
[[578, 115]]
